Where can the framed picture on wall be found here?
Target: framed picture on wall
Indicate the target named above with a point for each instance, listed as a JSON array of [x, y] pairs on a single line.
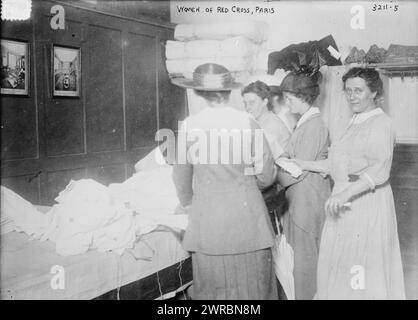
[[14, 67], [66, 75]]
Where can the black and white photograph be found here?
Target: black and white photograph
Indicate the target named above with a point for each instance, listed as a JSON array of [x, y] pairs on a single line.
[[67, 71], [14, 67], [216, 151]]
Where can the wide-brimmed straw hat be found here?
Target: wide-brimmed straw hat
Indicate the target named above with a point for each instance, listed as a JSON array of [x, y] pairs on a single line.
[[209, 77]]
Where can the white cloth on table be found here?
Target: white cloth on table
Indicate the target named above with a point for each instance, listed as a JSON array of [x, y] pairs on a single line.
[[89, 215], [85, 217], [18, 214]]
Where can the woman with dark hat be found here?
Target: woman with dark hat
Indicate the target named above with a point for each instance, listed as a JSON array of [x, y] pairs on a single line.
[[359, 254], [229, 233], [306, 194]]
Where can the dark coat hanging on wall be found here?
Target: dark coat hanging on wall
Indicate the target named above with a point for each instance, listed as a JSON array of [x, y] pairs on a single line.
[[304, 57]]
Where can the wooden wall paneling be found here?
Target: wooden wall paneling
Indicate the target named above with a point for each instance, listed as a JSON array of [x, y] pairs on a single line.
[[26, 186], [18, 113], [58, 139], [19, 124], [104, 110], [406, 211], [107, 174], [141, 95], [63, 116], [134, 9], [18, 129], [404, 182]]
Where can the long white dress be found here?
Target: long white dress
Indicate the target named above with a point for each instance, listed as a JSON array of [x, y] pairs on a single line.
[[359, 256]]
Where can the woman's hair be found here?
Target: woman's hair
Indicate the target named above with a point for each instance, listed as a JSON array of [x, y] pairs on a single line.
[[273, 95], [370, 76], [302, 85], [305, 97], [214, 96], [259, 88]]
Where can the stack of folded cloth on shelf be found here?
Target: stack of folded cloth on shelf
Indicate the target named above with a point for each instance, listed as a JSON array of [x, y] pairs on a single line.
[[374, 55], [402, 54], [395, 54], [236, 45]]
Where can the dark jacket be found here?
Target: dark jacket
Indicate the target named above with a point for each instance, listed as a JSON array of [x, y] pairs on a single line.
[[227, 213]]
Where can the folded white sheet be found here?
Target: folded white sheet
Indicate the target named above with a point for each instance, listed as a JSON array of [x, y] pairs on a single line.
[[231, 47], [183, 66], [256, 31]]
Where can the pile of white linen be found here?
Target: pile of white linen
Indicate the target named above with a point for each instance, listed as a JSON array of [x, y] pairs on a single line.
[[85, 217], [235, 45], [151, 193], [20, 215], [89, 215]]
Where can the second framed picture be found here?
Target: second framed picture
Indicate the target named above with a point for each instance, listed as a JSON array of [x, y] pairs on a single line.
[[66, 66]]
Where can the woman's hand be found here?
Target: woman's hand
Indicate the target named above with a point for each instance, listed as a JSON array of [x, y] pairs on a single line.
[[336, 204]]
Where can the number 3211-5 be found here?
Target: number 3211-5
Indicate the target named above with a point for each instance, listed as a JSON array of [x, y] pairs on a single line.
[[377, 7]]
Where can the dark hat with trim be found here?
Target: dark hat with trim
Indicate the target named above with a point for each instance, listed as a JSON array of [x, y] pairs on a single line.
[[209, 77], [301, 83]]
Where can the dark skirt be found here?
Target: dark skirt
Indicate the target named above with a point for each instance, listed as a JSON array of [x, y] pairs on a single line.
[[247, 276], [306, 250]]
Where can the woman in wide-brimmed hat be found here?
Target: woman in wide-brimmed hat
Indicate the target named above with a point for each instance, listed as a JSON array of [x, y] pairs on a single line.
[[229, 232], [307, 194]]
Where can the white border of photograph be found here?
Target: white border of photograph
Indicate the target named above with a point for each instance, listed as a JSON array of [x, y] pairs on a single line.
[[21, 49], [67, 52]]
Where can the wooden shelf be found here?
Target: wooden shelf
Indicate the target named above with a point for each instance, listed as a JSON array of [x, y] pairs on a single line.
[[397, 69]]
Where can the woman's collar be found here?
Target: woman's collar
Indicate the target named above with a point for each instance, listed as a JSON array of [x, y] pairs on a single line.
[[363, 116], [311, 111]]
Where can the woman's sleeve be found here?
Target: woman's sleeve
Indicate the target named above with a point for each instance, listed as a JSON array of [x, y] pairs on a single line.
[[312, 145], [183, 178], [183, 170], [284, 137], [379, 153], [264, 167]]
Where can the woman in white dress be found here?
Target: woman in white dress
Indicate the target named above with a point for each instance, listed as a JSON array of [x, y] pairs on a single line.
[[359, 256]]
